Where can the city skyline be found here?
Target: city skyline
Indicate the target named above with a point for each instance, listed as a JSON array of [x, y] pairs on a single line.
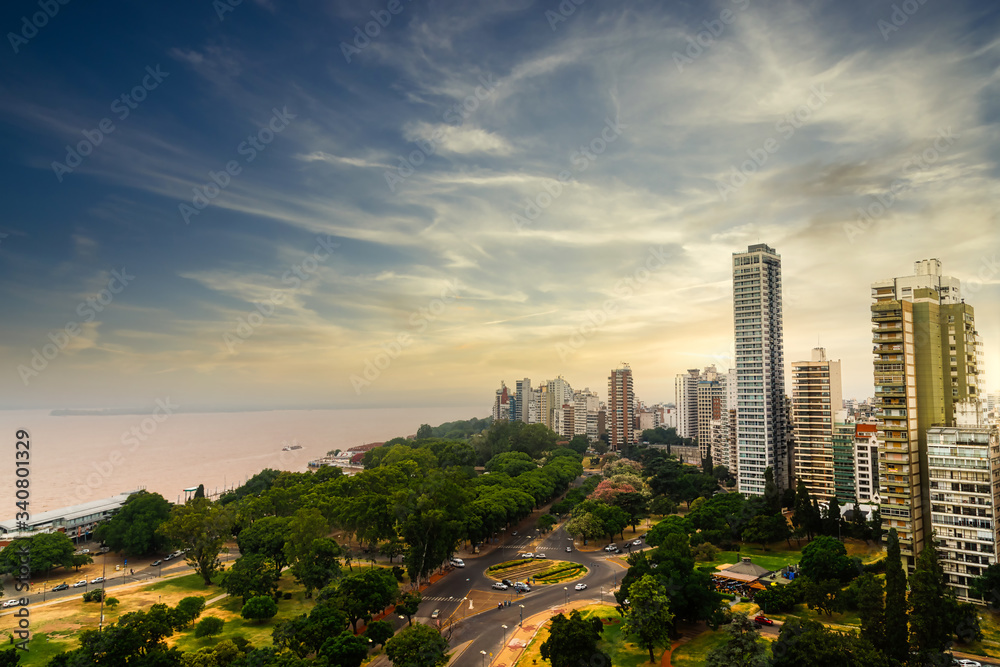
[[475, 194]]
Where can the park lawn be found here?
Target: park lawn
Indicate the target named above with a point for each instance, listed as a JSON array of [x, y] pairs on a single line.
[[989, 623], [695, 652], [804, 613], [257, 633], [55, 628]]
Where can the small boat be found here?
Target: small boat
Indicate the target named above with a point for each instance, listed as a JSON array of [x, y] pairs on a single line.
[[289, 448]]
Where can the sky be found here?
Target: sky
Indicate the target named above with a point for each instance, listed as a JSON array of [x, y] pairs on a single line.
[[249, 204]]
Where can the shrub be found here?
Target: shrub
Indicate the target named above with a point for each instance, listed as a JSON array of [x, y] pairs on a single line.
[[209, 627], [287, 595], [705, 552], [94, 595]]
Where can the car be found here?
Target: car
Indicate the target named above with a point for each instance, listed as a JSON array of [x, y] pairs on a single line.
[[762, 620], [616, 550], [168, 557], [962, 662], [435, 613], [177, 554], [514, 534], [458, 562], [500, 586], [85, 551], [9, 603], [507, 582], [569, 549], [155, 563], [61, 587], [580, 587], [526, 554], [637, 543], [611, 547], [521, 587], [97, 580], [82, 582], [105, 550], [540, 555]]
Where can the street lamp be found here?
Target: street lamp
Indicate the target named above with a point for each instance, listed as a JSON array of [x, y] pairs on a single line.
[[484, 658], [567, 594], [521, 624], [504, 635]]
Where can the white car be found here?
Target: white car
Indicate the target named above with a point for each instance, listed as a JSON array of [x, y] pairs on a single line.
[[82, 582], [540, 555], [97, 580], [581, 587], [637, 543], [458, 562], [10, 603], [499, 586], [526, 554], [962, 662]]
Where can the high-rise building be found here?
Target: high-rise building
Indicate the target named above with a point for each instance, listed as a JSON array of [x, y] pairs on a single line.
[[816, 400], [762, 438], [963, 461], [555, 394], [710, 402], [844, 482], [501, 403], [927, 359], [686, 397], [587, 404], [866, 463], [621, 401], [523, 392]]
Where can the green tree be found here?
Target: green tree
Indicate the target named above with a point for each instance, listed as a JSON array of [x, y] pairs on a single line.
[[209, 626], [803, 508], [409, 602], [133, 530], [833, 522], [573, 641], [112, 603], [579, 444], [364, 594], [251, 576], [202, 527], [742, 648], [9, 657], [896, 646], [425, 431], [820, 595], [186, 611], [45, 551], [545, 522], [318, 567], [267, 537], [200, 491], [871, 608], [259, 608], [586, 526], [811, 643], [826, 558], [987, 586], [379, 632], [932, 605], [649, 617], [345, 650], [772, 496], [417, 646]]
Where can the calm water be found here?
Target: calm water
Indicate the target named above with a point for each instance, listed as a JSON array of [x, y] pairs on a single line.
[[74, 459]]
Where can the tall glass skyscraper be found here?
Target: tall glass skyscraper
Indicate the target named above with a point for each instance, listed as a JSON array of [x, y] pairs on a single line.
[[762, 429]]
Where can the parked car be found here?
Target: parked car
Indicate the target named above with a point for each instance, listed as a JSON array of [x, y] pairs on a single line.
[[580, 587], [10, 603], [637, 543], [168, 557], [500, 587], [85, 551], [526, 554], [962, 662], [155, 563], [540, 555], [61, 587], [763, 620], [82, 582], [569, 549], [506, 582], [458, 562], [97, 580], [177, 554], [435, 613]]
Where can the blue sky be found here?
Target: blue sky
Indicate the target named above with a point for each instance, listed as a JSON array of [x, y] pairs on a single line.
[[477, 193]]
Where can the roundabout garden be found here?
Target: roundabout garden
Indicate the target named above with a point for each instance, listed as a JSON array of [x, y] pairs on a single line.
[[540, 570]]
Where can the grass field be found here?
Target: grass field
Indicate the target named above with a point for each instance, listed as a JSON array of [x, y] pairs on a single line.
[[695, 652]]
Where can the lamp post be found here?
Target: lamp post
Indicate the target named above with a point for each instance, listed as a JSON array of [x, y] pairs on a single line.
[[504, 635], [567, 594], [484, 657], [521, 624]]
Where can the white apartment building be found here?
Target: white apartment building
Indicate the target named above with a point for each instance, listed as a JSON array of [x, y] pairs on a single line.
[[866, 463], [686, 398]]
